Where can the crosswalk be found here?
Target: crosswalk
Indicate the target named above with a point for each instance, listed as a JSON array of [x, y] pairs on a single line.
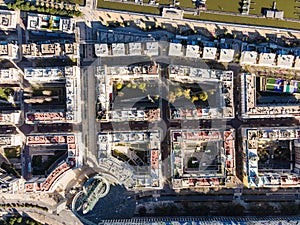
[[267, 220]]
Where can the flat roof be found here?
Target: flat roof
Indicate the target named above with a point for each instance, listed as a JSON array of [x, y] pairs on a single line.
[[101, 50], [192, 51], [44, 74], [266, 59], [248, 57], [250, 108], [9, 75], [209, 53], [226, 55], [285, 60], [49, 22], [197, 153], [51, 49], [135, 48], [151, 48], [118, 49], [8, 20], [256, 174], [297, 62], [175, 49]]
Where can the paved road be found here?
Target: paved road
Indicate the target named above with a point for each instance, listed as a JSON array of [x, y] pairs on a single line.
[[89, 115]]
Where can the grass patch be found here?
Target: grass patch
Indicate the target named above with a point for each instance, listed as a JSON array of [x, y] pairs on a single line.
[[19, 220], [40, 165], [288, 6], [80, 2], [5, 92], [128, 7], [224, 6], [245, 20], [218, 5], [12, 152], [10, 169]]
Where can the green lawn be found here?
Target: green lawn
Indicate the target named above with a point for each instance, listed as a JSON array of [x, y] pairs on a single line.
[[288, 6], [271, 81], [219, 5], [12, 152], [270, 87], [245, 20], [128, 7], [226, 6], [80, 2]]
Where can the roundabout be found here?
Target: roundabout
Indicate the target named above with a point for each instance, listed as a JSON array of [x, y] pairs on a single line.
[[101, 199]]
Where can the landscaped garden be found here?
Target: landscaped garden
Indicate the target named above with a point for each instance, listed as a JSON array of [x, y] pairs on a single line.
[[12, 152], [275, 155], [181, 94], [5, 93], [290, 9], [42, 163], [244, 20], [49, 6], [47, 96], [136, 94]]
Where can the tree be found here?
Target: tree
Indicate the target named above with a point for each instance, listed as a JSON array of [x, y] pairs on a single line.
[[9, 5], [128, 85], [19, 220], [203, 96], [171, 97], [195, 98], [142, 86], [186, 93], [178, 92], [119, 86]]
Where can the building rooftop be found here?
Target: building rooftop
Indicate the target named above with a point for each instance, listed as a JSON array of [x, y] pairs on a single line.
[[175, 49], [209, 53], [193, 166], [47, 74], [248, 57], [135, 48], [10, 117], [143, 150], [192, 51], [224, 79], [297, 62], [279, 14], [101, 50], [118, 49], [270, 169], [50, 49], [50, 23], [8, 20], [270, 13], [272, 107], [266, 59], [285, 61], [226, 55], [9, 50], [151, 48], [172, 13], [9, 75]]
